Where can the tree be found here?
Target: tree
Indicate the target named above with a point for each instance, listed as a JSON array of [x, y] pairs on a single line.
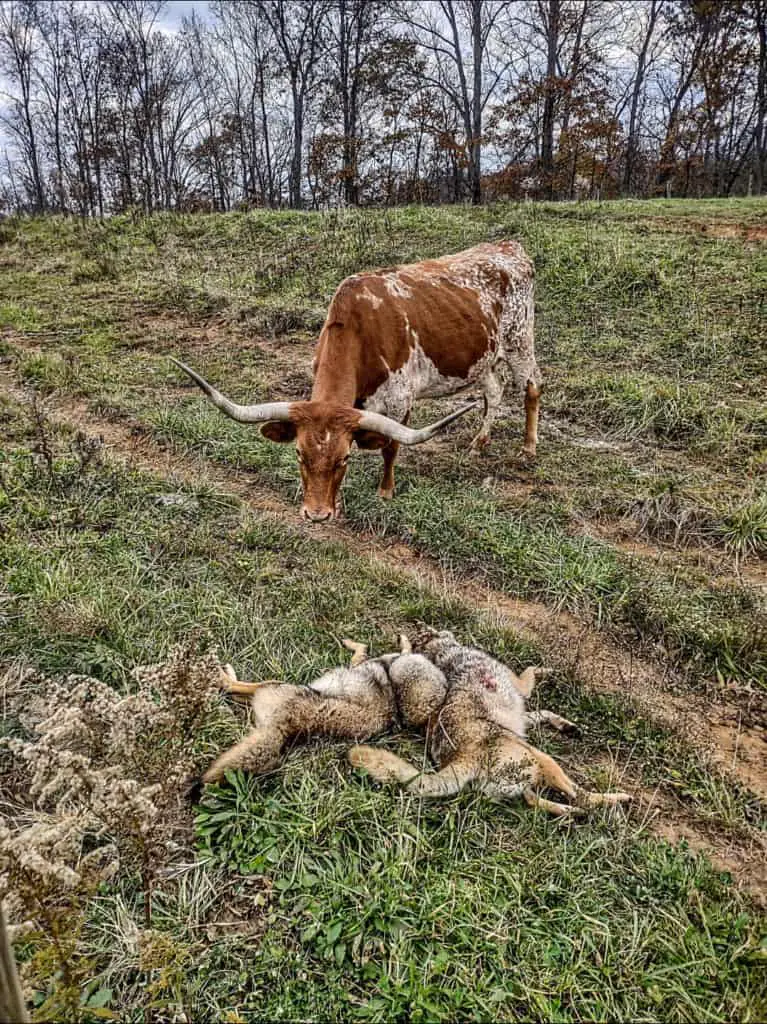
[[299, 29], [760, 130], [652, 16], [18, 53], [465, 60]]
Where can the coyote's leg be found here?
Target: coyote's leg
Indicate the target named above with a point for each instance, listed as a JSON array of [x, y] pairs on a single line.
[[387, 767], [240, 689], [285, 712], [359, 652], [555, 721], [526, 682], [507, 790], [231, 684], [259, 752], [551, 774], [551, 806]]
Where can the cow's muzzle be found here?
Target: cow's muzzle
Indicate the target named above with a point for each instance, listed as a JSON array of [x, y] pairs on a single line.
[[317, 515]]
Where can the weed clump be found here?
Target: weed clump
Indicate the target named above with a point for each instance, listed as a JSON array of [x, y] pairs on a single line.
[[102, 793]]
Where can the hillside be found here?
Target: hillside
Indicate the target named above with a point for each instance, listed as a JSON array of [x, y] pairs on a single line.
[[631, 557]]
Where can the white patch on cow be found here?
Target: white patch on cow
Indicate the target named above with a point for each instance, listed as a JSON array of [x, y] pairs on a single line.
[[368, 296], [396, 287], [501, 277], [418, 378]]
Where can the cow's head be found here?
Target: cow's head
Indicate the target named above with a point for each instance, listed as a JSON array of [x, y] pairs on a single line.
[[323, 433]]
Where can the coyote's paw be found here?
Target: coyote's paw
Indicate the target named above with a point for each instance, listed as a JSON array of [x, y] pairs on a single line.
[[381, 764], [605, 799], [193, 789], [564, 725]]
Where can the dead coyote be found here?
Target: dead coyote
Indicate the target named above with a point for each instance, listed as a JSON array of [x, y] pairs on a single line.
[[352, 703], [477, 735]]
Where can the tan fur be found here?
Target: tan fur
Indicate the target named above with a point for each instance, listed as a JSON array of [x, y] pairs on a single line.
[[348, 703], [478, 736]]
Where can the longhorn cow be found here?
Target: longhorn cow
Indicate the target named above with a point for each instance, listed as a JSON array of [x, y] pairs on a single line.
[[391, 336]]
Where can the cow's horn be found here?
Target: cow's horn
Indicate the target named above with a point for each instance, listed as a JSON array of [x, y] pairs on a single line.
[[407, 435], [242, 413]]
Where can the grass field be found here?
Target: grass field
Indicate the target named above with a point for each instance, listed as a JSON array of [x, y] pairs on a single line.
[[631, 557]]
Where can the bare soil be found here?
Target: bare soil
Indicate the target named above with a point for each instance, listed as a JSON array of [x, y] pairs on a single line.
[[714, 228]]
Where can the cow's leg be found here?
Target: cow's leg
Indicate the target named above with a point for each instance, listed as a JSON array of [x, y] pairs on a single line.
[[389, 452], [493, 389], [532, 405]]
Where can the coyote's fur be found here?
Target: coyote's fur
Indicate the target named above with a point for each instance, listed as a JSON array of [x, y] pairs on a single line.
[[477, 736], [353, 703]]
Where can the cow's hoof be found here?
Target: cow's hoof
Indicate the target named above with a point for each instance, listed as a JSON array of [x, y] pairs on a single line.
[[387, 493], [527, 453]]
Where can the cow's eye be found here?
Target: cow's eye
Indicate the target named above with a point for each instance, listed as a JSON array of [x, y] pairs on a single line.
[[342, 462]]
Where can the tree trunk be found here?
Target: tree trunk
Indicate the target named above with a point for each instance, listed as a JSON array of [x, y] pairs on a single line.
[[475, 151], [760, 141], [631, 142], [294, 187], [549, 97]]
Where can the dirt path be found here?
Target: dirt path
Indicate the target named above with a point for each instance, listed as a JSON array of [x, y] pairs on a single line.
[[295, 381], [713, 228]]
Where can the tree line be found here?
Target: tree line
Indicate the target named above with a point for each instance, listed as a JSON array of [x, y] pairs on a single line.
[[309, 103]]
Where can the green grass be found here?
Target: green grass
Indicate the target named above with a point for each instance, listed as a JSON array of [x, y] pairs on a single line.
[[314, 893], [648, 337], [356, 902], [525, 552]]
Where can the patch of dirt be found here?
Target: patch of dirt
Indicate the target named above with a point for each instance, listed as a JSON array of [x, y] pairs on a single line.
[[733, 733], [743, 857], [711, 228]]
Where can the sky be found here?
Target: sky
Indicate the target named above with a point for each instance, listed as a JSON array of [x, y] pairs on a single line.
[[177, 10]]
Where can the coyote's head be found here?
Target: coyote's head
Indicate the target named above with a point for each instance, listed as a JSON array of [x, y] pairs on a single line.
[[431, 641]]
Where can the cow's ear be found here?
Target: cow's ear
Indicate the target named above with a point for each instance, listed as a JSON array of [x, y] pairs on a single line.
[[368, 439], [279, 430]]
